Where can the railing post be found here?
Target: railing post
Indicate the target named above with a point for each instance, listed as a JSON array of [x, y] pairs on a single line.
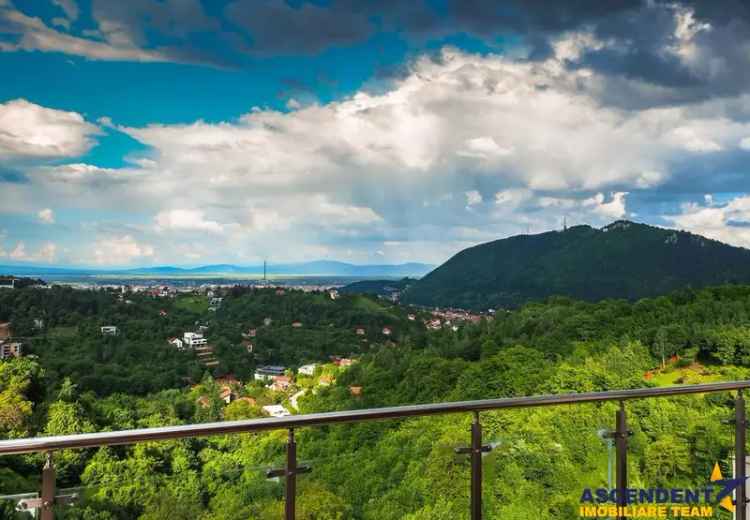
[[740, 421], [475, 452], [621, 465], [48, 489], [290, 497], [290, 472], [476, 468]]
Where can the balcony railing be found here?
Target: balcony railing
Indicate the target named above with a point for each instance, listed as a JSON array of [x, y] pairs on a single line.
[[49, 445]]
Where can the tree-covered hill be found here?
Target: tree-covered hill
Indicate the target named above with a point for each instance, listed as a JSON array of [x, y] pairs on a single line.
[[622, 260], [386, 288], [401, 469]]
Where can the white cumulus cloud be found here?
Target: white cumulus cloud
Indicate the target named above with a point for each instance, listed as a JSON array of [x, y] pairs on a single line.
[[28, 130]]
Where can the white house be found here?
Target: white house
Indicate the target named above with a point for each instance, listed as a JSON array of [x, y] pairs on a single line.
[[177, 343], [9, 350], [110, 330], [276, 410], [268, 372], [307, 370], [8, 284], [194, 339]]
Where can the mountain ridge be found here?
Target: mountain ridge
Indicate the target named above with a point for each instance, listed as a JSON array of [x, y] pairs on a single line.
[[317, 267], [624, 259]]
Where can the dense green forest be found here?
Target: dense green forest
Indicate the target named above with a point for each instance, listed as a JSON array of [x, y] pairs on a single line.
[[623, 260], [406, 469]]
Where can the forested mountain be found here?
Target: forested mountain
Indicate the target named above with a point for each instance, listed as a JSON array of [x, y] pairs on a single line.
[[377, 287], [385, 470], [622, 260]]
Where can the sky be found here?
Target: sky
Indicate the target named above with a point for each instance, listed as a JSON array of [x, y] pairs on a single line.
[[154, 132]]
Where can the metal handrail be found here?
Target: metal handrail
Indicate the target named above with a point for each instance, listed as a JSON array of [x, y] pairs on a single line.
[[92, 440], [49, 445]]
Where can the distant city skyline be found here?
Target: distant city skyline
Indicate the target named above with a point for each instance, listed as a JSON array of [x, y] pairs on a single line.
[[193, 133]]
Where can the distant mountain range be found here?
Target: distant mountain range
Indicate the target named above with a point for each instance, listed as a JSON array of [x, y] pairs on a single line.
[[316, 268], [622, 260]]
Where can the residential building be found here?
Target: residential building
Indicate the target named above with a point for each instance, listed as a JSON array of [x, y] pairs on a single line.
[[215, 302], [342, 362], [248, 346], [227, 395], [387, 331], [355, 390], [194, 339], [360, 331], [268, 372], [307, 370], [251, 333], [110, 330], [333, 293], [297, 324], [228, 380], [8, 284], [177, 343], [267, 322], [276, 410], [325, 380], [411, 317], [5, 330], [280, 383], [38, 323], [10, 349]]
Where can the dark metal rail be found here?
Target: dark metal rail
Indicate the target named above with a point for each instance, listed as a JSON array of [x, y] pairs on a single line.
[[91, 440]]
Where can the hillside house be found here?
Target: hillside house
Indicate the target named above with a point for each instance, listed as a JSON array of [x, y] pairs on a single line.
[[194, 339], [268, 372], [38, 323], [227, 395], [387, 331], [411, 317], [8, 284], [176, 343], [163, 313], [297, 324], [342, 362], [325, 380], [110, 330], [307, 370], [251, 333], [359, 331], [10, 349], [355, 390], [280, 292], [334, 294], [228, 380], [280, 383], [276, 410], [267, 322], [249, 347]]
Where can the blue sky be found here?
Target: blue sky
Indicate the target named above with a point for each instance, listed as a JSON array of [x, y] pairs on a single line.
[[187, 132]]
